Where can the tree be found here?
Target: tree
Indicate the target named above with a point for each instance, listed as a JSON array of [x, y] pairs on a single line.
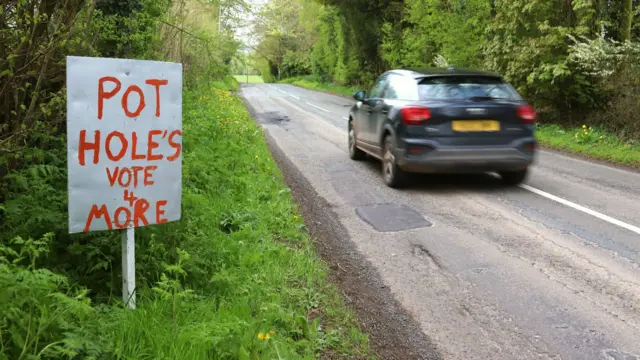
[[279, 33], [626, 19]]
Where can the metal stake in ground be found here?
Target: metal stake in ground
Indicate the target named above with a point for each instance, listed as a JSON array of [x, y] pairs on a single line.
[[129, 267]]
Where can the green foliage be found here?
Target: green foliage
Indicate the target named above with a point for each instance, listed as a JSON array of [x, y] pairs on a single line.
[[128, 27], [42, 315], [264, 68], [588, 135], [283, 39], [41, 35], [555, 52], [597, 144], [238, 265], [532, 54], [454, 30], [568, 58]]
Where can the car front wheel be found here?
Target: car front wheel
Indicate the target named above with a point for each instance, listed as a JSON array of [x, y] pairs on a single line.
[[354, 152], [393, 176], [513, 177]]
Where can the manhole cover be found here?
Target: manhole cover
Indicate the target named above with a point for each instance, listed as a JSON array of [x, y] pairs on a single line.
[[392, 217]]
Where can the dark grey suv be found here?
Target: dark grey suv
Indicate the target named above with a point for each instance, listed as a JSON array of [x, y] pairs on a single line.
[[443, 121]]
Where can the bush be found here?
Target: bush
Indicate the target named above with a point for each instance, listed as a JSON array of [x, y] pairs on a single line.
[[615, 68]]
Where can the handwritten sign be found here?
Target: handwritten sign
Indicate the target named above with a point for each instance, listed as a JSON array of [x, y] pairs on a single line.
[[124, 151]]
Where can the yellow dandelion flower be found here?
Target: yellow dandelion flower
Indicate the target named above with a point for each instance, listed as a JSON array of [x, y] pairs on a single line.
[[261, 336]]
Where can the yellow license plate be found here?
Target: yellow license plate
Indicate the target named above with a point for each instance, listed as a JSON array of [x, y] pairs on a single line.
[[475, 125]]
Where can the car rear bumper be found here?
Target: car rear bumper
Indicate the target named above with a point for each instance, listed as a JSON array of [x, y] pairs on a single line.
[[430, 159]]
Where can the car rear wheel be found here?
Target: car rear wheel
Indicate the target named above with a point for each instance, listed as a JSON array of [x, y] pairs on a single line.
[[513, 177], [392, 175], [354, 152]]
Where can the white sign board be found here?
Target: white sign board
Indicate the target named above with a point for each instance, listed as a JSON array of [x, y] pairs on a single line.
[[124, 150]]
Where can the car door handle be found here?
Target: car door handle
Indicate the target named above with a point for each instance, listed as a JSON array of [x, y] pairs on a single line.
[[385, 111]]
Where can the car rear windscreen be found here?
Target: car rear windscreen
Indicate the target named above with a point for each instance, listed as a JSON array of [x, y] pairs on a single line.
[[465, 88]]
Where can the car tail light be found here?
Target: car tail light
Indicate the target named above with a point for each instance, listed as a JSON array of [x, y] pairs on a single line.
[[527, 114], [415, 115]]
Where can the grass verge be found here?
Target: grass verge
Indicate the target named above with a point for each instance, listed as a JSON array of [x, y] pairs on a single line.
[[236, 278], [253, 79], [309, 82], [590, 142]]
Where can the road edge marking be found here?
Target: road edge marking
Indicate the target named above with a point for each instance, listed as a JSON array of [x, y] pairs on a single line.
[[585, 210]]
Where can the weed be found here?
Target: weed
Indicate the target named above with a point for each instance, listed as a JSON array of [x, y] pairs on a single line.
[[587, 135]]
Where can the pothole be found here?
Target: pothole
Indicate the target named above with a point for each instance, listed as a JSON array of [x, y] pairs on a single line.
[[275, 117], [423, 253]]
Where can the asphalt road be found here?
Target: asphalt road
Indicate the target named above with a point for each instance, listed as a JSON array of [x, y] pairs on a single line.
[[547, 270]]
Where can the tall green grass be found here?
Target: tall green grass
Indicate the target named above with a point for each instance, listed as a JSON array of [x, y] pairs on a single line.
[[591, 142], [236, 278], [252, 79]]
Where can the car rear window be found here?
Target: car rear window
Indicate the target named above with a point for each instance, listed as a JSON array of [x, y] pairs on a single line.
[[464, 88]]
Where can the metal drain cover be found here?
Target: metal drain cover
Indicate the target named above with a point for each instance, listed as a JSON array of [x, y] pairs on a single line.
[[392, 217]]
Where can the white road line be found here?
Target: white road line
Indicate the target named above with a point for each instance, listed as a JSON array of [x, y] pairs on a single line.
[[346, 118], [585, 210], [275, 87], [318, 107], [295, 97]]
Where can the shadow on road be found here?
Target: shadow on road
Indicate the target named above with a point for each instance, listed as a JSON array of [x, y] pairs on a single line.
[[447, 183]]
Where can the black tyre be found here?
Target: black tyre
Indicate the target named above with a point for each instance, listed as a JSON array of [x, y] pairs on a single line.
[[354, 152], [392, 175], [513, 177]]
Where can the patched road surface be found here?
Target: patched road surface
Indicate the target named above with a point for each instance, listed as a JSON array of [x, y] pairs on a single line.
[[547, 270]]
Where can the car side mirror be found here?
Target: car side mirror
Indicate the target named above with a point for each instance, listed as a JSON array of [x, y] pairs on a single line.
[[359, 95]]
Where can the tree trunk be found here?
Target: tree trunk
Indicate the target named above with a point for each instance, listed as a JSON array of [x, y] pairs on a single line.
[[626, 19]]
